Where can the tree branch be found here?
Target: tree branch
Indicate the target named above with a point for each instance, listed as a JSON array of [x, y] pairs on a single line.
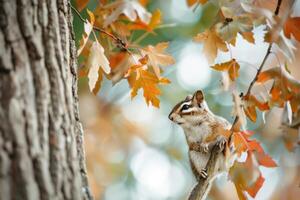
[[202, 188], [120, 43]]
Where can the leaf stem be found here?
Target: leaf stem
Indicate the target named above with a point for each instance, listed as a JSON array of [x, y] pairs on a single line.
[[120, 43]]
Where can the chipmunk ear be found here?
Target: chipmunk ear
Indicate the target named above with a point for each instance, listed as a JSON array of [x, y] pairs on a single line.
[[198, 97]]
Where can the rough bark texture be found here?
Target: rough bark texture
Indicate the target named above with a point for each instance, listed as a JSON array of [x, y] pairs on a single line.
[[41, 154]]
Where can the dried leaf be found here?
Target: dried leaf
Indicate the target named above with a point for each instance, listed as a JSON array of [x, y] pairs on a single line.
[[131, 9], [158, 57], [292, 27], [96, 60], [232, 67], [212, 43], [88, 27]]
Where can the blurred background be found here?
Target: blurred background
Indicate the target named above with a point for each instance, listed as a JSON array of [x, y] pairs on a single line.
[[134, 152]]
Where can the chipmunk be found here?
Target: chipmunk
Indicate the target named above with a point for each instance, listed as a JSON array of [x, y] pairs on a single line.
[[202, 131]]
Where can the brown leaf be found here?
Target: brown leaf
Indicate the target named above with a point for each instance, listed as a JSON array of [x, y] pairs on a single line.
[[232, 67]]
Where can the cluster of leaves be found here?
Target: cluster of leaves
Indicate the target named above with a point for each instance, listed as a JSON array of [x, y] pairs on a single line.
[[240, 18], [113, 24]]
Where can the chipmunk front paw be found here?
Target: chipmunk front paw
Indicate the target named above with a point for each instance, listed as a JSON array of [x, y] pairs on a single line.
[[221, 143], [203, 173]]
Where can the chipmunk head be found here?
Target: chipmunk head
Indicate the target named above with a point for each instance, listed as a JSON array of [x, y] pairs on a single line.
[[191, 111]]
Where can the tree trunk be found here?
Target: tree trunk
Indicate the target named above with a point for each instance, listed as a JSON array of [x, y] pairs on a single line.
[[41, 137]]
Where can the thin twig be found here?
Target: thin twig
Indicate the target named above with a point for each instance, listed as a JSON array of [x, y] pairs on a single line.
[[120, 43], [276, 12]]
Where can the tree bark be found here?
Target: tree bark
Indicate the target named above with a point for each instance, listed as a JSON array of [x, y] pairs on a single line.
[[41, 137]]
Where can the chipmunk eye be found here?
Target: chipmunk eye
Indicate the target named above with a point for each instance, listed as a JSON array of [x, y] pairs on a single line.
[[185, 107]]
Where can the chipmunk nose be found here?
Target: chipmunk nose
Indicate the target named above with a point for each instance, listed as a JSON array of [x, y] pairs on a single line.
[[171, 117]]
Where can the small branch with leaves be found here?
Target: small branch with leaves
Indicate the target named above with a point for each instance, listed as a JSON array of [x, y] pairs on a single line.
[[202, 187], [120, 43]]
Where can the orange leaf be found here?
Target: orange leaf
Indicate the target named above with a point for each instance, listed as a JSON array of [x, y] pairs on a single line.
[[252, 190], [240, 143], [251, 113], [252, 100], [292, 27], [81, 4], [140, 78], [192, 2], [265, 160], [231, 66], [211, 44]]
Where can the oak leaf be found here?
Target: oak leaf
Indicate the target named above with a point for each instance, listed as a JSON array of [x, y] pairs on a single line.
[[140, 78], [96, 60], [158, 57], [211, 44]]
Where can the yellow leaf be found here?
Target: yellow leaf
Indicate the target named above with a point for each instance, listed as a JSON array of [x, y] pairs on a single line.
[[212, 43], [158, 57], [155, 19], [232, 67], [96, 60]]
